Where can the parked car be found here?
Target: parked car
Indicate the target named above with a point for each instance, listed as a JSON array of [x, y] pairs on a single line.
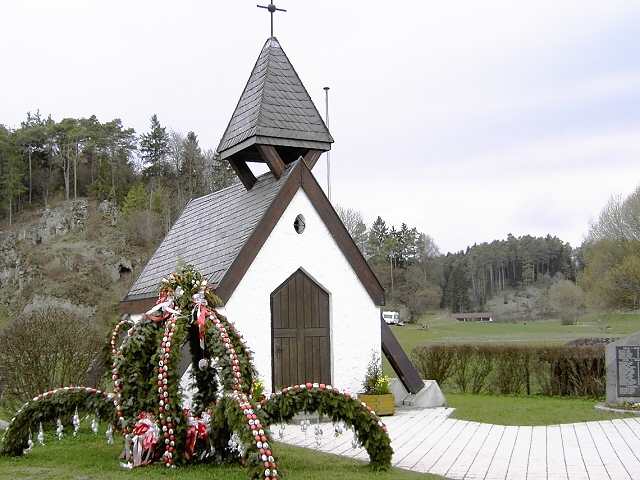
[[392, 318]]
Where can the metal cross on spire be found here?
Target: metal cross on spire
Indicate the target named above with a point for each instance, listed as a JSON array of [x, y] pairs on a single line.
[[272, 9]]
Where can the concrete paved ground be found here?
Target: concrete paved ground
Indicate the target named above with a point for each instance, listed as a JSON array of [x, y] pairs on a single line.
[[427, 440]]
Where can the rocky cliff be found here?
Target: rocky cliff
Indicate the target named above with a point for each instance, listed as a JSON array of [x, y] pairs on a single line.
[[72, 256]]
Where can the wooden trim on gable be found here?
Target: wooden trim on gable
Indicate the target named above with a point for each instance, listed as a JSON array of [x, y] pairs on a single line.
[[250, 249], [300, 177], [341, 236]]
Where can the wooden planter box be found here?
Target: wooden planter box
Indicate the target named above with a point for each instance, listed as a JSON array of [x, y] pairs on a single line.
[[381, 404]]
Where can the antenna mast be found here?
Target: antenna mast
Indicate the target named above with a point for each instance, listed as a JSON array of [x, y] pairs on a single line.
[[326, 121]]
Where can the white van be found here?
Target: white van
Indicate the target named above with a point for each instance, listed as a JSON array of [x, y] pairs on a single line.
[[392, 318]]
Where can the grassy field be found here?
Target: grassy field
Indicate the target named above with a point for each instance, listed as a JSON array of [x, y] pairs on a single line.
[[444, 329], [90, 458], [516, 410]]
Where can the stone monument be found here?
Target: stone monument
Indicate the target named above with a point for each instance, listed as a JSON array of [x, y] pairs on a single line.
[[623, 370]]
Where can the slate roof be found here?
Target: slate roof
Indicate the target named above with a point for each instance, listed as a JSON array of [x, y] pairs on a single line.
[[274, 104], [209, 233]]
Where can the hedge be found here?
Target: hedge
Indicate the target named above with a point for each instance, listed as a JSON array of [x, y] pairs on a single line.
[[505, 369]]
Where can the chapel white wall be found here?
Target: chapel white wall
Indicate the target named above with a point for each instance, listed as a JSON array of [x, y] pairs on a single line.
[[354, 318]]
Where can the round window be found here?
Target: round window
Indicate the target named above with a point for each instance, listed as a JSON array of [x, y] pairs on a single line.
[[299, 223]]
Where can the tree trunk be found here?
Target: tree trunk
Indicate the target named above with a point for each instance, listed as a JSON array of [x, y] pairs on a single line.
[[65, 171], [113, 179], [75, 173], [30, 182], [391, 263]]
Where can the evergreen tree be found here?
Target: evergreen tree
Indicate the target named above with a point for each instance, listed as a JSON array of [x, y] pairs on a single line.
[[218, 172], [192, 165], [12, 170], [376, 239], [154, 149]]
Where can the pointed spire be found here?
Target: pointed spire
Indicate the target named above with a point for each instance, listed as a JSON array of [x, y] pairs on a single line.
[[275, 121]]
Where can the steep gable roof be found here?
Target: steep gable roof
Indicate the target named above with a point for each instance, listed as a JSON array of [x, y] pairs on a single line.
[[222, 233], [209, 233], [274, 108]]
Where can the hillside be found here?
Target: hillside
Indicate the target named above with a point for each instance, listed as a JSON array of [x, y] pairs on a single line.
[[75, 255]]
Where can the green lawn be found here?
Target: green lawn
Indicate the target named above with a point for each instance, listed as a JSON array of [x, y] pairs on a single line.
[[444, 329], [516, 410], [89, 458]]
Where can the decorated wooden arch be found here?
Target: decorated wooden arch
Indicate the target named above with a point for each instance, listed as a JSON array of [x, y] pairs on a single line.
[[226, 421]]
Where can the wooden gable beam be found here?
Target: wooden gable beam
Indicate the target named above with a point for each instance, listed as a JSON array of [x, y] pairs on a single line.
[[311, 157], [399, 361], [244, 173], [250, 250], [270, 155], [342, 237], [300, 176]]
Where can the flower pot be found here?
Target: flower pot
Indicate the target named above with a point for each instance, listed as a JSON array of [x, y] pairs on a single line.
[[381, 404]]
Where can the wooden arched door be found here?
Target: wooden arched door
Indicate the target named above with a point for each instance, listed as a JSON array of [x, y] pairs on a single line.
[[300, 334]]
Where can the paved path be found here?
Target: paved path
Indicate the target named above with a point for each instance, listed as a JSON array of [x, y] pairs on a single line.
[[428, 440]]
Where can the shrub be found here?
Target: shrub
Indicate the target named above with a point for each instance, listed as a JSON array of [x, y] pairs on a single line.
[[567, 300], [143, 228], [579, 371], [375, 383], [511, 370], [463, 357], [433, 362], [44, 350], [574, 370], [481, 367]]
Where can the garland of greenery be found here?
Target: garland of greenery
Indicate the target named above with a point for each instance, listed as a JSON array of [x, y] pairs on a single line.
[[134, 365], [172, 418], [240, 412], [51, 405], [326, 400], [116, 354], [147, 387], [237, 412]]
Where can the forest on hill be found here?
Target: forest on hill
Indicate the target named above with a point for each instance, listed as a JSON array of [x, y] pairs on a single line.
[[158, 171], [601, 274], [473, 277], [418, 277], [84, 203], [150, 176]]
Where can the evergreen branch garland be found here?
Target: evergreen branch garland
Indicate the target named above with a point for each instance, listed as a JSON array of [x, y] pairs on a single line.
[[48, 406], [239, 410], [172, 418], [327, 400], [147, 385], [116, 359], [242, 417], [134, 371]]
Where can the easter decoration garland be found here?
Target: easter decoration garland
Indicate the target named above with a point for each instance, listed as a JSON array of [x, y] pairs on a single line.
[[226, 422]]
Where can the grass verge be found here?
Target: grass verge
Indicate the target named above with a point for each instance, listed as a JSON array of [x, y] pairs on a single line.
[[89, 457], [518, 410]]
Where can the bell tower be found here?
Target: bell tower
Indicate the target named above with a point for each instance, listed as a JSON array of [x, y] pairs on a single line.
[[275, 121]]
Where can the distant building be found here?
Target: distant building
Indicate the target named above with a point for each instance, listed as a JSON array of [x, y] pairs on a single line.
[[474, 317]]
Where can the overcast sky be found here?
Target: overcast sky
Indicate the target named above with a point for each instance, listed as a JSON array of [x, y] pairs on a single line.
[[469, 120]]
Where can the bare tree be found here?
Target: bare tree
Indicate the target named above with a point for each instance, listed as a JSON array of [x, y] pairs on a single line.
[[352, 220], [618, 220], [44, 350]]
